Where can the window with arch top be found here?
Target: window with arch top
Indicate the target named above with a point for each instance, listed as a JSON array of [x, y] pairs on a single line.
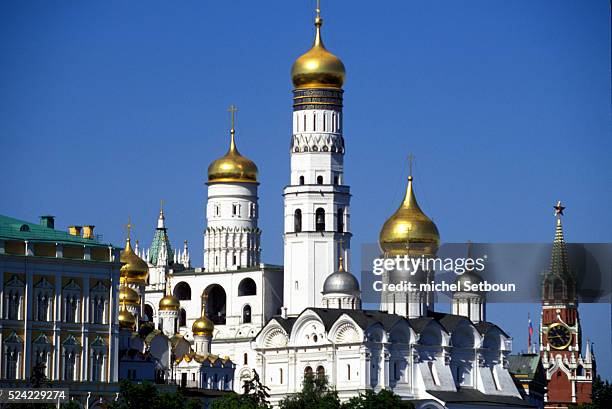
[[246, 314], [320, 219], [301, 180], [247, 287], [297, 221], [319, 180]]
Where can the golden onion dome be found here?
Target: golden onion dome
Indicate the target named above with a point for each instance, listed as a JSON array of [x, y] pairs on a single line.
[[409, 230], [232, 167], [169, 303], [203, 326], [126, 319], [134, 270], [128, 295], [318, 68]]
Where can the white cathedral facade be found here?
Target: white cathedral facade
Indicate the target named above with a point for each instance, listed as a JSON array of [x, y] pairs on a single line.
[[307, 316]]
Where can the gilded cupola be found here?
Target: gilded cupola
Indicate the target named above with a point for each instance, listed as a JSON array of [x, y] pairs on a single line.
[[232, 167], [169, 302], [318, 68], [126, 318], [203, 326], [409, 230], [134, 269], [128, 295]]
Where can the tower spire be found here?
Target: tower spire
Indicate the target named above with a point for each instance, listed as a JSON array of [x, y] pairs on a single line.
[[232, 110]]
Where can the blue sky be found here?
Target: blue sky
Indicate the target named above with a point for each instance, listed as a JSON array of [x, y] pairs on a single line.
[[108, 107]]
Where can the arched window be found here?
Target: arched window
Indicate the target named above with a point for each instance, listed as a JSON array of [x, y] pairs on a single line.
[[340, 216], [297, 221], [246, 314], [301, 180], [148, 310], [182, 291], [308, 370], [320, 371], [247, 287], [216, 303], [319, 180], [320, 219], [182, 317]]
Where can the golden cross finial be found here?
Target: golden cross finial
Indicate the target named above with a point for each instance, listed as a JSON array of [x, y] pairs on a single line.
[[410, 163], [232, 109], [129, 226], [318, 8]]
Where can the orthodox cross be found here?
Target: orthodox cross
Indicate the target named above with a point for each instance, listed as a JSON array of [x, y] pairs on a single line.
[[410, 163], [232, 110], [129, 226]]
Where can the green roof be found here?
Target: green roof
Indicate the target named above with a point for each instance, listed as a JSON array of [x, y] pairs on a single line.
[[158, 239], [15, 229], [523, 364]]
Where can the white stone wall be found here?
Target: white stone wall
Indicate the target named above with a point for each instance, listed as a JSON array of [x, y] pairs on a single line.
[[311, 255]]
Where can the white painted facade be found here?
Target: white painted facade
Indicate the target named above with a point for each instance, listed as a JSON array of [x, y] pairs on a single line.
[[316, 207]]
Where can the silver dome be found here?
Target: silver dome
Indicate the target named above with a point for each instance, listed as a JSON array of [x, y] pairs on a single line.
[[470, 276], [341, 282]]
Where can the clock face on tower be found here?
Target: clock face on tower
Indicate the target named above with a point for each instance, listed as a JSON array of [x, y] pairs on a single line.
[[559, 336]]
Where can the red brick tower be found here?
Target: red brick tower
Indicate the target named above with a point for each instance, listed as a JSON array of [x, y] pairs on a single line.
[[569, 373]]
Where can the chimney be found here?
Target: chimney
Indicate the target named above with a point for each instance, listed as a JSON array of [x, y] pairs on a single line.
[[47, 221], [74, 230], [88, 232]]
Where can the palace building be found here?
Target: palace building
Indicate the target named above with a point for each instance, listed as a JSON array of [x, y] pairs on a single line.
[[59, 307]]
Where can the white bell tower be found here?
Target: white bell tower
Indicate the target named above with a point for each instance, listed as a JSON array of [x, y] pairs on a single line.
[[232, 238], [317, 198]]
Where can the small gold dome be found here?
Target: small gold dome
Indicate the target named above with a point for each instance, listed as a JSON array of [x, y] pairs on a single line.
[[134, 270], [126, 319], [232, 167], [409, 228], [203, 326], [169, 303], [128, 295], [318, 68]]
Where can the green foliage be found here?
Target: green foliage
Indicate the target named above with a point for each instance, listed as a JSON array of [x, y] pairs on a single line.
[[255, 396], [601, 396], [71, 404], [315, 394], [384, 399], [146, 396]]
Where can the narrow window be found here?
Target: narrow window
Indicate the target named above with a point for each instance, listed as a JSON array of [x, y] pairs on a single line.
[[301, 180], [314, 122], [245, 359], [304, 123], [320, 219], [324, 122], [336, 180], [297, 221], [246, 314], [234, 259], [348, 372], [319, 180], [297, 285], [281, 375], [340, 216]]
